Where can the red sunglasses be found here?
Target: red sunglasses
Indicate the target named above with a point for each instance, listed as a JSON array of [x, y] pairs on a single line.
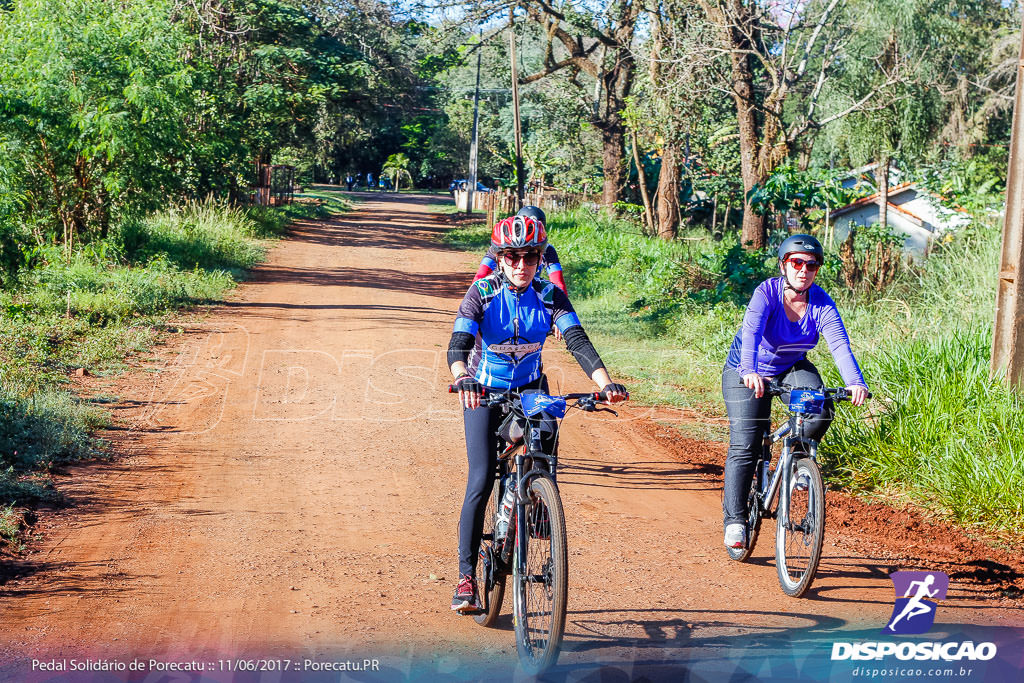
[[800, 264], [529, 258]]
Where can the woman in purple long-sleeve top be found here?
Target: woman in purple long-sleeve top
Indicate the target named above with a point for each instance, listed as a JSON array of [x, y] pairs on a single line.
[[784, 320]]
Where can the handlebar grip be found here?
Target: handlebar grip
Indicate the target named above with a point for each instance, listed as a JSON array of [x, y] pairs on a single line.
[[453, 390], [602, 396]]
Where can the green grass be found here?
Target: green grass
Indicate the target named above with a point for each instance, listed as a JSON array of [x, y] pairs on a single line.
[[334, 202], [107, 301], [10, 526], [953, 437], [939, 433]]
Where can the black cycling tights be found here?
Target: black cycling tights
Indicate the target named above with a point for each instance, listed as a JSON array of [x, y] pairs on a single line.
[[481, 450]]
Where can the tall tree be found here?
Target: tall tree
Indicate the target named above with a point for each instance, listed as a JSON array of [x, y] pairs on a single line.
[[599, 45], [92, 100], [780, 57]]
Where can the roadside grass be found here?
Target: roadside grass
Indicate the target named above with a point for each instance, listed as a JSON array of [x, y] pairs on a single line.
[[334, 202], [938, 433], [10, 526], [92, 311], [340, 198], [446, 208]]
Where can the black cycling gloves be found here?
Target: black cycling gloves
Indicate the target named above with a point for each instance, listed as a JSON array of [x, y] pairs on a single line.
[[614, 387], [467, 382]]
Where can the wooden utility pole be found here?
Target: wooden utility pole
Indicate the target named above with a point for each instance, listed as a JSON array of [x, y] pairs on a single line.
[[471, 186], [1008, 335], [515, 113]]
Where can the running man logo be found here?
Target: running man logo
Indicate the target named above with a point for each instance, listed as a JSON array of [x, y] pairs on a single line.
[[916, 593]]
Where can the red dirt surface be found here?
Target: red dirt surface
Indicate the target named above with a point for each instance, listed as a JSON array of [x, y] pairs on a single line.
[[289, 471]]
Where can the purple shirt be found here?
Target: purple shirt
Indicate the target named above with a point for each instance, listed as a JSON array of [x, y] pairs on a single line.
[[780, 343]]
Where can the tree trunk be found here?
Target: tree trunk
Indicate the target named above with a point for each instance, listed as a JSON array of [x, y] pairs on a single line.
[[618, 84], [753, 235], [883, 191], [668, 192], [642, 177], [612, 157]]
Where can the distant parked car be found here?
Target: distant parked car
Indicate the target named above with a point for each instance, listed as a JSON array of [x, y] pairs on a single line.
[[463, 184]]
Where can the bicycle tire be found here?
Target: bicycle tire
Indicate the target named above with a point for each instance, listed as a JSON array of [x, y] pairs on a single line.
[[492, 583], [753, 518], [798, 544], [541, 593]]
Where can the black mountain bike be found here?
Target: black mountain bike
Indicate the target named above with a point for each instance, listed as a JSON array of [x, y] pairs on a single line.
[[524, 526], [800, 513]]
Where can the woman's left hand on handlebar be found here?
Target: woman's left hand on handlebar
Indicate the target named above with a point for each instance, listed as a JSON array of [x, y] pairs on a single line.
[[615, 392], [858, 394]]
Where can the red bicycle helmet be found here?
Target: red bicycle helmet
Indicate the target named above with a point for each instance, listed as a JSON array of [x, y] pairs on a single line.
[[519, 232]]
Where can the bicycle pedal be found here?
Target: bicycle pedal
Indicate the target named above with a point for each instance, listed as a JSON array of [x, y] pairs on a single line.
[[472, 609]]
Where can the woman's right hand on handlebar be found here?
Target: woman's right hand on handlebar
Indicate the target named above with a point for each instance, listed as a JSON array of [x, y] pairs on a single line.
[[469, 391], [755, 383]]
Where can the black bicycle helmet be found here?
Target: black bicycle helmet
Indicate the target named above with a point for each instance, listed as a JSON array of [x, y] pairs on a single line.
[[805, 244], [534, 212], [799, 244]]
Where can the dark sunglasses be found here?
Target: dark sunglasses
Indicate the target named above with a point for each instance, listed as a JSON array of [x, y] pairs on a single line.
[[800, 264], [529, 258]]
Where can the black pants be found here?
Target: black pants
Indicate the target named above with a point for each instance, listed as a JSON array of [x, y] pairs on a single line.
[[482, 450], [749, 417]]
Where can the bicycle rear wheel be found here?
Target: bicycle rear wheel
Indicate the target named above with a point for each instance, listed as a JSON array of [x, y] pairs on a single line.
[[801, 529], [753, 518], [541, 590], [491, 570]]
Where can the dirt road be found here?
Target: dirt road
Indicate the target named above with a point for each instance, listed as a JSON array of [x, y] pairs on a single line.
[[290, 471]]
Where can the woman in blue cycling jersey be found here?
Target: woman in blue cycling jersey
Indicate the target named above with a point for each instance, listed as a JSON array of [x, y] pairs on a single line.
[[496, 346], [782, 323]]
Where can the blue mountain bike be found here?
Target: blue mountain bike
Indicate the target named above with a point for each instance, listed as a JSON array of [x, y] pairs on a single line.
[[800, 509], [524, 524]]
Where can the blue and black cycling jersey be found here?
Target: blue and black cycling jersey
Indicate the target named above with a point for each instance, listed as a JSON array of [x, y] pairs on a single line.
[[506, 331]]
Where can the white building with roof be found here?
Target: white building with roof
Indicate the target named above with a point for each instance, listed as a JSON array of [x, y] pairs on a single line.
[[912, 212]]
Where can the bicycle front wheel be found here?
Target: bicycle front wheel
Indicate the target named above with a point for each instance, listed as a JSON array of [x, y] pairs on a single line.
[[489, 565], [541, 579], [801, 527]]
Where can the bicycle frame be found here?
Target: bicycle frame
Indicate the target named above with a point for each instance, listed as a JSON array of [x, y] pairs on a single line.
[[794, 424], [798, 542]]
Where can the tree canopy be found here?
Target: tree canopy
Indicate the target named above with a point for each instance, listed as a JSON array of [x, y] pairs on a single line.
[[113, 108]]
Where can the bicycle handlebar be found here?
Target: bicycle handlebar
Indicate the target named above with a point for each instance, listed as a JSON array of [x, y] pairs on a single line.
[[773, 388], [494, 397]]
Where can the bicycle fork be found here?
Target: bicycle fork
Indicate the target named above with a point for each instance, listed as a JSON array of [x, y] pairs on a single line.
[[785, 469]]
